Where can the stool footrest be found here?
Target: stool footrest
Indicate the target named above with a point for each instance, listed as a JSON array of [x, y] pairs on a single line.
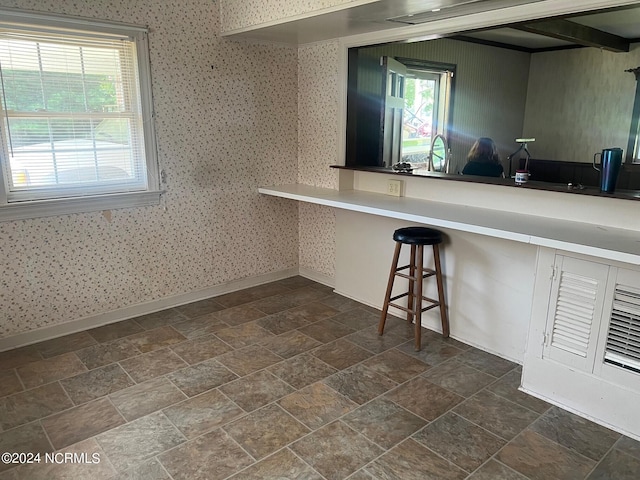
[[410, 277]]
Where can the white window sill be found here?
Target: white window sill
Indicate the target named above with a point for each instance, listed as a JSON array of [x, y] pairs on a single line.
[[48, 208]]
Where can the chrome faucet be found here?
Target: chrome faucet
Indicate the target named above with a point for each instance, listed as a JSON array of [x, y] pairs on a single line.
[[445, 160]]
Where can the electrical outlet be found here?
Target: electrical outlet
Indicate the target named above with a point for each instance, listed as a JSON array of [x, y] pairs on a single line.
[[394, 187]]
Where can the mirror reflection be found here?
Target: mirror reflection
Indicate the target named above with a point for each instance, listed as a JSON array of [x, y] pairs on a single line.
[[566, 100]]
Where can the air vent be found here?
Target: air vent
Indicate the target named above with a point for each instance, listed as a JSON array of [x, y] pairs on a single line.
[[623, 340], [574, 313]]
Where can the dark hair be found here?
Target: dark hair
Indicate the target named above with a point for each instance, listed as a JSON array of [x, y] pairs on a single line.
[[484, 151]]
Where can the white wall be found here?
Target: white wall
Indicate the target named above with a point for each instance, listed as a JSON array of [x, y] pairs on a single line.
[[488, 282]]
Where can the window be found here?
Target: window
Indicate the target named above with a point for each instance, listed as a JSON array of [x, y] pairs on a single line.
[[76, 125]]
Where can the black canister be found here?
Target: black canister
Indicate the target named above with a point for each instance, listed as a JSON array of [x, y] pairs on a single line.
[[610, 162]]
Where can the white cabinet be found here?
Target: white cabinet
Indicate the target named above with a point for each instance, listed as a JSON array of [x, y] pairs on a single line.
[[583, 349]]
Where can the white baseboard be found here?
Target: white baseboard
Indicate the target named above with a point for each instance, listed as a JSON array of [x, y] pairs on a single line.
[[317, 277], [74, 326]]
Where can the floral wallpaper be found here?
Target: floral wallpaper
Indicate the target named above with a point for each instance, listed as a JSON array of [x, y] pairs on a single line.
[[226, 123], [317, 140], [237, 14]]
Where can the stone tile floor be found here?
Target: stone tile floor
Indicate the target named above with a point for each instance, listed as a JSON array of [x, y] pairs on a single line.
[[286, 380]]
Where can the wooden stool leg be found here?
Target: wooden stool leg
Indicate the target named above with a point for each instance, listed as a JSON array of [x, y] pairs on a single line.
[[412, 272], [387, 297], [443, 306], [418, 308]]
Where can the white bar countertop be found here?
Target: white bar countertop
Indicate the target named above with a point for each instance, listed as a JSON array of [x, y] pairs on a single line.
[[585, 238]]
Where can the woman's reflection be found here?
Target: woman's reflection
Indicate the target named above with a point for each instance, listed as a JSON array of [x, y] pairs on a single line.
[[483, 159]]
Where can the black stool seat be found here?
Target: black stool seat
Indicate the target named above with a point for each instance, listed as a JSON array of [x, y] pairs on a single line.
[[418, 236]]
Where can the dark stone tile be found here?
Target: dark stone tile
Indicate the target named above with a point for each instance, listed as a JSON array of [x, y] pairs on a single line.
[[412, 461], [203, 307], [80, 423], [19, 356], [341, 354], [243, 335], [432, 352], [201, 377], [29, 438], [282, 465], [282, 322], [616, 466], [248, 360], [629, 446], [574, 432], [212, 456], [150, 340], [256, 390], [234, 299], [336, 451], [201, 348], [424, 398], [459, 441], [369, 339], [340, 303], [358, 319], [66, 344], [257, 435], [361, 475], [159, 319], [359, 384], [270, 289], [396, 365], [295, 282], [302, 370], [149, 470], [71, 470], [96, 383], [493, 470], [326, 331], [9, 383], [240, 314], [317, 405], [203, 413], [507, 387], [130, 444], [304, 295], [32, 404], [431, 335], [114, 331], [313, 312], [458, 377], [486, 362], [104, 354], [153, 364], [384, 422], [496, 414], [290, 344], [50, 370], [204, 325], [539, 458], [147, 397], [271, 305]]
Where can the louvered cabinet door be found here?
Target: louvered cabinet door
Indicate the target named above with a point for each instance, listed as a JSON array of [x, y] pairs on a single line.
[[575, 313]]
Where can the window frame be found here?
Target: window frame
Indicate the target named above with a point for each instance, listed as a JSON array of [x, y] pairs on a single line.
[[22, 210]]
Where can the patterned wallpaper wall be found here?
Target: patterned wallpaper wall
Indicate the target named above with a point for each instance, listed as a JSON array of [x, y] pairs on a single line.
[[318, 138], [236, 14], [226, 123], [579, 102]]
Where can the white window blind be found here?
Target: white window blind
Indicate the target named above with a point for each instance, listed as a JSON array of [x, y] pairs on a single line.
[[75, 118]]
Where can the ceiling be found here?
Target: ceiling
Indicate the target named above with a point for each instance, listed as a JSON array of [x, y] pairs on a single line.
[[384, 15], [621, 22]]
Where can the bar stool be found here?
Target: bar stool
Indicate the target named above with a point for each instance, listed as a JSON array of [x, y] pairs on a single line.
[[417, 237]]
